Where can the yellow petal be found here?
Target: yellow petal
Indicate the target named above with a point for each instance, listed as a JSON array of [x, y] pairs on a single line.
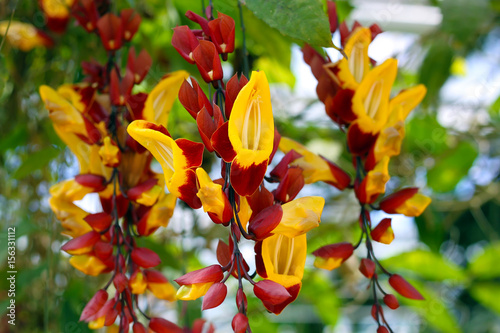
[[414, 206], [284, 258], [87, 264], [327, 263], [138, 283], [406, 100], [23, 36], [193, 291], [300, 216], [163, 291], [377, 178], [109, 153], [161, 98], [251, 123], [56, 8], [210, 194]]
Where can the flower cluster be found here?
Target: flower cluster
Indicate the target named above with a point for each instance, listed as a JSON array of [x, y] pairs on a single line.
[[356, 93], [237, 125], [91, 118]]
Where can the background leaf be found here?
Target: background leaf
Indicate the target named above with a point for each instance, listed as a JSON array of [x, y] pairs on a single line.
[[485, 265]]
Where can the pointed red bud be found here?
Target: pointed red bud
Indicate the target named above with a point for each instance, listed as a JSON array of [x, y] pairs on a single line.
[[214, 296], [404, 288], [130, 23], [223, 253], [193, 98], [271, 292], [111, 31], [82, 244], [211, 273], [239, 323], [120, 282], [206, 127], [260, 200], [93, 181], [391, 301], [184, 41], [139, 328], [382, 329], [222, 33], [145, 257], [374, 311], [241, 300], [367, 268], [160, 325], [396, 199], [233, 87], [99, 221], [332, 15], [383, 233], [203, 22], [265, 221], [281, 168], [208, 62], [139, 65], [94, 305], [290, 185], [103, 250]]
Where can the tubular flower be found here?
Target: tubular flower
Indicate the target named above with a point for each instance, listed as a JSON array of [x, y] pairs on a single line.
[[282, 260], [213, 199], [315, 168], [88, 264], [406, 201], [300, 216], [24, 36], [57, 13], [374, 183], [158, 216], [160, 286], [251, 134], [196, 284], [332, 256], [161, 98], [178, 158], [391, 136], [351, 71]]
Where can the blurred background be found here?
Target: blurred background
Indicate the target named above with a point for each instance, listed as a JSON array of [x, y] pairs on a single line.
[[451, 151]]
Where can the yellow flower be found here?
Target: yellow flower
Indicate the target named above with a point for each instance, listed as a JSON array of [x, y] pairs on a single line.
[[88, 264], [300, 216], [24, 36], [213, 199]]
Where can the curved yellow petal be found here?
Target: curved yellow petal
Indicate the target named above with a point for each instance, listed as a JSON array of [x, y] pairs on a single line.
[[414, 206], [194, 291], [210, 194], [161, 98], [406, 101], [88, 264], [300, 216]]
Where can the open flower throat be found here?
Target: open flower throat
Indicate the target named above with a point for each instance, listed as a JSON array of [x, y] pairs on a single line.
[[252, 124]]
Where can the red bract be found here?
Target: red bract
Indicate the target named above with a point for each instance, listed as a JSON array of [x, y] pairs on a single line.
[[222, 33], [382, 329], [342, 178], [332, 15], [103, 250], [239, 323], [99, 221], [383, 232], [135, 192], [120, 282], [111, 31], [391, 202], [265, 222], [202, 326], [121, 202], [145, 257], [208, 274], [367, 267], [82, 244], [391, 301], [233, 87], [184, 41], [280, 170], [160, 325], [93, 181], [120, 89], [130, 23], [203, 22], [138, 328], [207, 126], [207, 60], [290, 185], [193, 98], [85, 12], [214, 296], [404, 288], [270, 293], [139, 65], [241, 300], [94, 305]]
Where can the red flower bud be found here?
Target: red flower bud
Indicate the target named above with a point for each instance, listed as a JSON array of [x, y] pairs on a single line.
[[391, 301], [383, 233], [214, 296], [82, 244], [281, 168], [203, 22], [211, 273], [367, 268], [233, 87], [382, 329], [333, 255], [139, 328], [94, 305], [374, 313], [222, 33], [99, 221], [239, 323], [207, 60], [160, 325], [93, 181], [265, 221], [145, 257], [404, 288], [332, 16], [241, 300], [184, 41], [193, 98], [103, 250], [139, 65], [130, 23], [85, 12], [111, 31], [290, 185], [120, 282], [271, 292]]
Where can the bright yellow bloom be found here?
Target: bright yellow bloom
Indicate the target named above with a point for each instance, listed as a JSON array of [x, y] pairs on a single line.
[[24, 36], [109, 153], [165, 291], [414, 206], [161, 98], [194, 291], [300, 216], [374, 182], [212, 198], [88, 264], [138, 283]]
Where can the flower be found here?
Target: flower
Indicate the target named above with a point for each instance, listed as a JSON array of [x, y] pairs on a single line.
[[213, 199], [406, 201], [196, 284], [332, 256], [24, 36], [300, 216]]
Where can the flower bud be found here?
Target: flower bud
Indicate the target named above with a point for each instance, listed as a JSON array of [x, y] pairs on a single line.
[[214, 296], [332, 256], [383, 232], [391, 301], [367, 268], [404, 288]]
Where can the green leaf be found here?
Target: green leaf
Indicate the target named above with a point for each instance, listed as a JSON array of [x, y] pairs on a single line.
[[432, 309], [425, 134], [275, 71], [304, 20], [485, 265], [428, 265], [452, 167], [15, 138], [488, 294], [36, 161]]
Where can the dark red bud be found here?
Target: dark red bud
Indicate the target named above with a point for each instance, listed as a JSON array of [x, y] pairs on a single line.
[[145, 257], [94, 305], [404, 288], [391, 301], [160, 325], [239, 323], [265, 221], [271, 292], [214, 296], [367, 268]]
